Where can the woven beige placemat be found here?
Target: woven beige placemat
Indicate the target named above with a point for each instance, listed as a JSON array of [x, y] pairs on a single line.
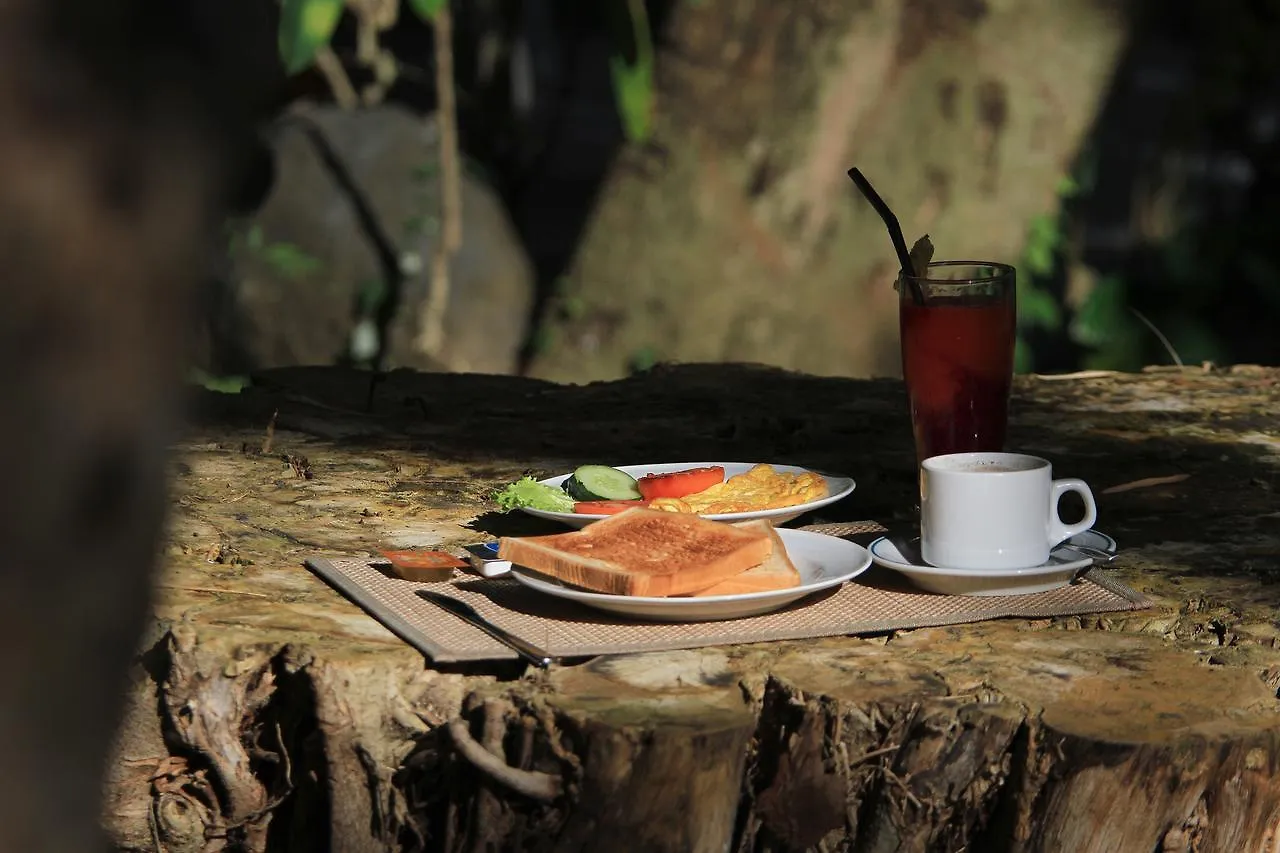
[[876, 602]]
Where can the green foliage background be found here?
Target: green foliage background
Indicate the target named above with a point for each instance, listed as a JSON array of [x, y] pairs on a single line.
[[306, 26], [1162, 312]]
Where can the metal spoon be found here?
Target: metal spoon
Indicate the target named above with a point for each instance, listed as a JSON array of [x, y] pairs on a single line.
[[1089, 551]]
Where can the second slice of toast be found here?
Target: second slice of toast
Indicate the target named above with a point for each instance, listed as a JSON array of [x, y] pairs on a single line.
[[643, 552], [777, 572]]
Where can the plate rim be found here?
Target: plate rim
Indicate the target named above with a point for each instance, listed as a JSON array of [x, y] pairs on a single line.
[[938, 571], [798, 509], [745, 597]]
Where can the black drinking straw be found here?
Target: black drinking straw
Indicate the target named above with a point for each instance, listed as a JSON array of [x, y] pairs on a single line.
[[895, 232]]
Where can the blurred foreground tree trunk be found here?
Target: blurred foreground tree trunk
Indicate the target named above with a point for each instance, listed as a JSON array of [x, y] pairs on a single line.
[[111, 138], [734, 233]]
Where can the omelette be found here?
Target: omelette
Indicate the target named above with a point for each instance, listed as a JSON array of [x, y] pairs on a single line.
[[760, 488]]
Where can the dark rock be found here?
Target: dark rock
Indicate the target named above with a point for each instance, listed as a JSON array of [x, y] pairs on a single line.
[[336, 265]]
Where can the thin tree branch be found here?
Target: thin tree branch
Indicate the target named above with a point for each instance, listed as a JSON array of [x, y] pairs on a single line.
[[1173, 353], [447, 111], [431, 339], [336, 76]]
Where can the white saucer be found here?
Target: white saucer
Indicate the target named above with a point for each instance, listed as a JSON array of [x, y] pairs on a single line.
[[823, 562], [1063, 565]]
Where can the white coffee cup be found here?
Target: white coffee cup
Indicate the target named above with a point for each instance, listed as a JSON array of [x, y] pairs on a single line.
[[994, 510]]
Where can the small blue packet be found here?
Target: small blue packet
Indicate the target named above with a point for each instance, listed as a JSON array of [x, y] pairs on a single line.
[[484, 559]]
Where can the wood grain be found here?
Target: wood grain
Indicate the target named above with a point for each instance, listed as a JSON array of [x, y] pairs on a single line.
[[1152, 730]]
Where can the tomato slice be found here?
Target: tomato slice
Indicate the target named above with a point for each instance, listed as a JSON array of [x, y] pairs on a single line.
[[605, 507], [678, 484]]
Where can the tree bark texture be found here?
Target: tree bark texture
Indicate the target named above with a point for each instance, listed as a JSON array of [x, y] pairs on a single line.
[[734, 234], [269, 714]]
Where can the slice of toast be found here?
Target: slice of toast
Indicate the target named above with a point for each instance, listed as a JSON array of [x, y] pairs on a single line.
[[777, 572], [643, 552]]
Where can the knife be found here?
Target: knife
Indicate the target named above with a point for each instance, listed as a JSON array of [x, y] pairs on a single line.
[[468, 614]]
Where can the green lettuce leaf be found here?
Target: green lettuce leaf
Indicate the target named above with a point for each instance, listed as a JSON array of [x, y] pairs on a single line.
[[527, 492]]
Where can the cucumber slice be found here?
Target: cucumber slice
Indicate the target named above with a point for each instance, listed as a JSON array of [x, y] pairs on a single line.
[[601, 483], [577, 491]]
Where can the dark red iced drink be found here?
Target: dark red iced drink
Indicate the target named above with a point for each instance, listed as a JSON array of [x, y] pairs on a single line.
[[957, 356]]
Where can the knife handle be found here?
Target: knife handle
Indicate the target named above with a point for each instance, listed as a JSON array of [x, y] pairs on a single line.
[[528, 651], [468, 614]]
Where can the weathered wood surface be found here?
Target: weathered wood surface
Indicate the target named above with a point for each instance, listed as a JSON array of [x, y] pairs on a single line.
[[269, 713]]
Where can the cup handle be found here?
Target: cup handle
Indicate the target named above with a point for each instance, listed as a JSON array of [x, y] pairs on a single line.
[[1058, 532]]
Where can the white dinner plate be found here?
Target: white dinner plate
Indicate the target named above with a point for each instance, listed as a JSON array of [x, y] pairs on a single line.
[[837, 488], [823, 562], [1063, 565]]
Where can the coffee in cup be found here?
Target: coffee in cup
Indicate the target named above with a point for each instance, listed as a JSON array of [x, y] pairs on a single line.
[[994, 510]]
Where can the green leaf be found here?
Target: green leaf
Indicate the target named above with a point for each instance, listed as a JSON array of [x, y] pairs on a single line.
[[1102, 317], [544, 340], [1043, 238], [1039, 260], [1037, 307], [1086, 170], [289, 260], [633, 88], [573, 308], [219, 384], [418, 224], [633, 82], [370, 296], [643, 359], [1044, 229], [305, 27], [426, 9], [1023, 360], [1124, 352]]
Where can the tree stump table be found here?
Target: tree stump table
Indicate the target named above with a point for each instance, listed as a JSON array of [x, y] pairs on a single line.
[[269, 713]]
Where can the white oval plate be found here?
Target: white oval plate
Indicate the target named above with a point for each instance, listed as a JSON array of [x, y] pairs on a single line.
[[837, 488], [823, 562], [1062, 566]]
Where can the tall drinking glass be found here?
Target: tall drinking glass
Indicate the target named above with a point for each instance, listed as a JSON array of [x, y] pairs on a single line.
[[957, 354]]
